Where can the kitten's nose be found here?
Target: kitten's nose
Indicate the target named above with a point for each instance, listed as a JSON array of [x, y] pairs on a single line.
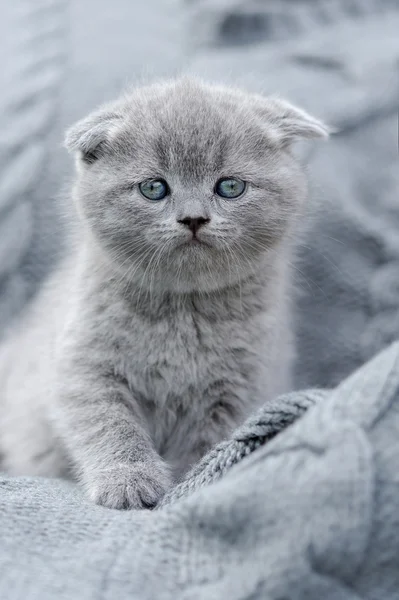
[[194, 223]]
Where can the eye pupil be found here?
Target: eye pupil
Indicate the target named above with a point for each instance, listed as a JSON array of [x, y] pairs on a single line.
[[230, 187], [154, 189]]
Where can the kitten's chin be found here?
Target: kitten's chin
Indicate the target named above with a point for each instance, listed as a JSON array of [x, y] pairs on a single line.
[[202, 276], [193, 266], [198, 268], [188, 276], [194, 244]]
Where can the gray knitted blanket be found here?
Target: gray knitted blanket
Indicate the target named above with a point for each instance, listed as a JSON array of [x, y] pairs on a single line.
[[303, 502]]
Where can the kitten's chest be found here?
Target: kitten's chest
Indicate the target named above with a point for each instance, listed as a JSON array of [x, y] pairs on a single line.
[[173, 357]]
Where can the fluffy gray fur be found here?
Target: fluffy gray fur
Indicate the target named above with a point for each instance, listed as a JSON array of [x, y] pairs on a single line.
[[146, 348]]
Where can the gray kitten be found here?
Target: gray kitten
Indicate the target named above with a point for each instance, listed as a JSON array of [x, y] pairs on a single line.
[[170, 320]]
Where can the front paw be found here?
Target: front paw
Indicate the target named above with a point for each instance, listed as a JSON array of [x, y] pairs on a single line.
[[134, 486]]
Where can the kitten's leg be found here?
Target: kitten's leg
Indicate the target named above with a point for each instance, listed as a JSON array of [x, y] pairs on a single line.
[[102, 428], [225, 413]]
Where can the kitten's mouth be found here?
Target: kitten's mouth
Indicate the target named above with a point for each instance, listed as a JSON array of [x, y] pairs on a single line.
[[193, 242]]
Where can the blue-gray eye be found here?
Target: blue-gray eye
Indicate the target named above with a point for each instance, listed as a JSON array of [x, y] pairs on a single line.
[[154, 189], [230, 187]]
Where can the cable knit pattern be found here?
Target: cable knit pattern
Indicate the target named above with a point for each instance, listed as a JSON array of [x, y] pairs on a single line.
[[259, 429]]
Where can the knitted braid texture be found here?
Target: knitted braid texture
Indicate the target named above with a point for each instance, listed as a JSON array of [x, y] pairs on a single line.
[[255, 432]]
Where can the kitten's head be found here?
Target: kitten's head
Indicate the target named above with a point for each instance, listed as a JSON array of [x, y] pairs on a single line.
[[189, 186]]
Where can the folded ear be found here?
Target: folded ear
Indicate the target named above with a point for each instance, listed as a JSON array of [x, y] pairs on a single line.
[[289, 123], [91, 136]]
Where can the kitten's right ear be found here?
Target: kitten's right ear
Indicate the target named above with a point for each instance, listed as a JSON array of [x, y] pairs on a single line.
[[90, 137], [288, 123]]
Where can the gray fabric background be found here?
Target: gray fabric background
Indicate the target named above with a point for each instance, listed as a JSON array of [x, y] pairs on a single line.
[[314, 513]]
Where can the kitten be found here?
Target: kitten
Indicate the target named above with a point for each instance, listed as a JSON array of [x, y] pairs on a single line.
[[170, 320]]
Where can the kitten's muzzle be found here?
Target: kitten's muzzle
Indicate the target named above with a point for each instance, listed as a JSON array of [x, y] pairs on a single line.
[[194, 223]]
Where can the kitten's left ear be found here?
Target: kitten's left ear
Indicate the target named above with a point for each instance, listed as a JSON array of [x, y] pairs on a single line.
[[290, 123], [92, 136]]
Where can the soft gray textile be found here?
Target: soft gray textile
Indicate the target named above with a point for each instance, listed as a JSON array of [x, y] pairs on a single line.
[[314, 512], [311, 515]]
